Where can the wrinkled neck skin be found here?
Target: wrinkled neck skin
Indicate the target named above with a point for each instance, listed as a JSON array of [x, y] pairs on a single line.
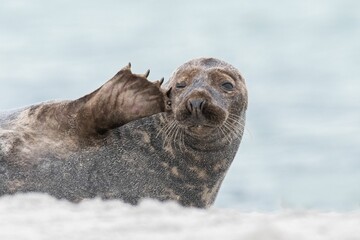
[[193, 146], [201, 160]]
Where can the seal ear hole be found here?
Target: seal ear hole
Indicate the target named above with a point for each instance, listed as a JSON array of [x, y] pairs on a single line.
[[168, 101], [168, 106]]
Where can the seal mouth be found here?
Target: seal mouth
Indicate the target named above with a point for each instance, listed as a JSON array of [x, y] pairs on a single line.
[[207, 120], [201, 129]]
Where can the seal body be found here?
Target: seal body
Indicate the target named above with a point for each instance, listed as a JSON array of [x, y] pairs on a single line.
[[180, 155]]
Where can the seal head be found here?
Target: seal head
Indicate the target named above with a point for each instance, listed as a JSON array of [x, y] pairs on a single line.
[[209, 98]]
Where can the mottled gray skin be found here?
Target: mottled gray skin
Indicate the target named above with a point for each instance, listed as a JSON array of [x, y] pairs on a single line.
[[182, 155]]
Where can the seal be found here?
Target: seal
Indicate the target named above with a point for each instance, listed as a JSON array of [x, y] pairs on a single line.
[[182, 154]]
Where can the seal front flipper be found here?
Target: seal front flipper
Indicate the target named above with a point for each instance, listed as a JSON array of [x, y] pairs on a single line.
[[59, 128], [124, 98]]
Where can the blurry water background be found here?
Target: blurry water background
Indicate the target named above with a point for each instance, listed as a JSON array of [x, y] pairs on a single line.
[[300, 58]]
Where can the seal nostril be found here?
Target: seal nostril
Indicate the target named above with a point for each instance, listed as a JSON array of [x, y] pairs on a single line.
[[195, 105], [202, 103], [189, 106]]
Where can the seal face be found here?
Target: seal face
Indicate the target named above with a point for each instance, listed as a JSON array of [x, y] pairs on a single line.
[[209, 98], [181, 153]]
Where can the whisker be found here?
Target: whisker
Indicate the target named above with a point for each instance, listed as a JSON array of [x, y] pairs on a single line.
[[170, 132], [238, 130], [230, 130], [182, 139], [240, 120], [234, 127], [226, 136], [165, 128], [176, 133]]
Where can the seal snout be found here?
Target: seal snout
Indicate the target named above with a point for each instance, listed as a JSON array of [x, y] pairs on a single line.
[[195, 106], [200, 109]]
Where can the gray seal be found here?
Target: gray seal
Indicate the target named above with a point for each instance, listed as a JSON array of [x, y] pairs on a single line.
[[182, 154]]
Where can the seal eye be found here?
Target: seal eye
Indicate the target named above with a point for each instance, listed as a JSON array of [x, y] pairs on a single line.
[[227, 86], [180, 85]]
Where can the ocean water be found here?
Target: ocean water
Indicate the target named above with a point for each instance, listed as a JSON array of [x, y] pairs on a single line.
[[300, 60]]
